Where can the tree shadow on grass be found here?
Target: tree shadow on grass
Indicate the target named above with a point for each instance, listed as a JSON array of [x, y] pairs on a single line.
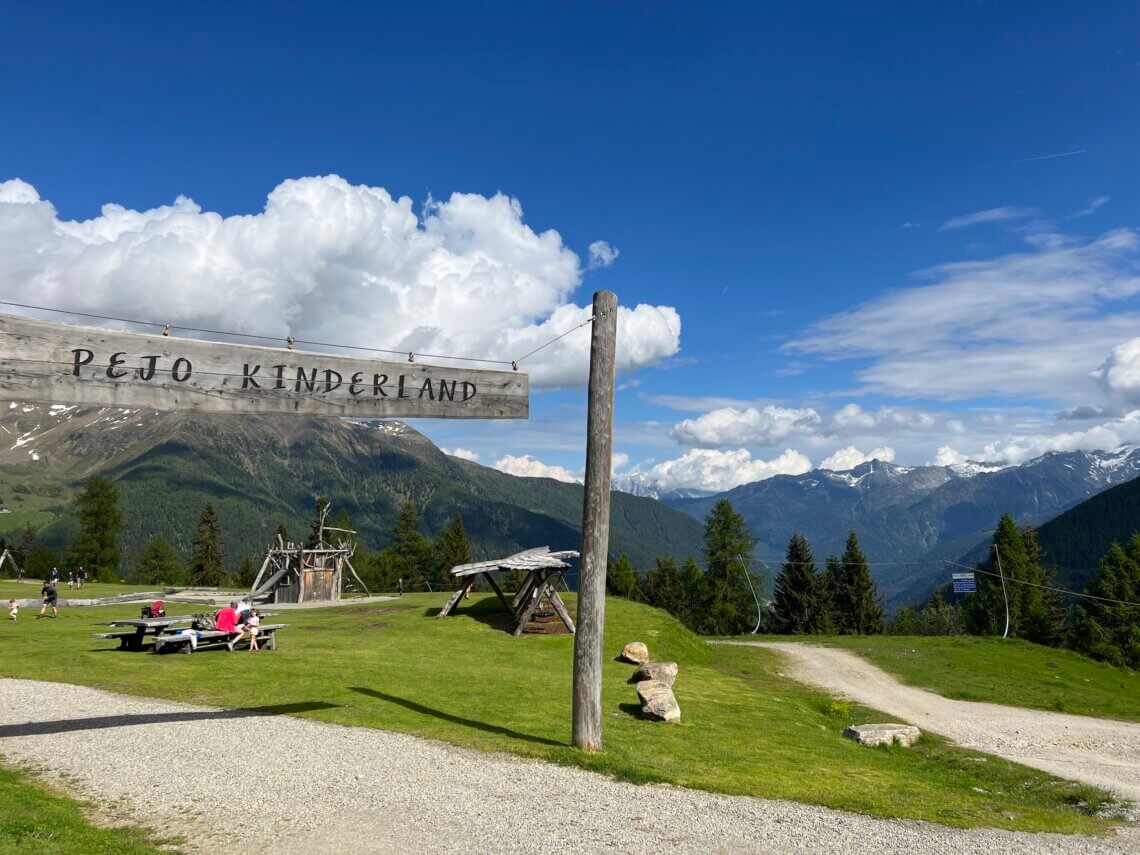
[[454, 719], [69, 725]]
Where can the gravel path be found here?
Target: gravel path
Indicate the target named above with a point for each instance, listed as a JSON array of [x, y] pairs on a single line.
[[1096, 751], [328, 788]]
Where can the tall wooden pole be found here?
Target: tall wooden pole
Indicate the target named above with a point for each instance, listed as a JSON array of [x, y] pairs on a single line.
[[595, 526]]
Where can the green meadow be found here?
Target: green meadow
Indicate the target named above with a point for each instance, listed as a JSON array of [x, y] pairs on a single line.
[[745, 729]]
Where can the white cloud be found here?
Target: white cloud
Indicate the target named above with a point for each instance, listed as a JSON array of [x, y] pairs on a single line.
[[618, 460], [853, 419], [529, 467], [990, 215], [1029, 324], [1093, 206], [602, 254], [948, 456], [328, 261], [1119, 374], [1103, 437], [461, 453], [716, 471], [850, 457], [749, 426]]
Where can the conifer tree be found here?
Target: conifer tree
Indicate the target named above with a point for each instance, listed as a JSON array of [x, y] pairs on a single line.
[[1105, 630], [833, 597], [411, 553], [984, 610], [96, 547], [665, 589], [622, 579], [159, 564], [862, 612], [1045, 621], [727, 607], [314, 538], [796, 605], [693, 584], [207, 552], [246, 574], [450, 550], [282, 532]]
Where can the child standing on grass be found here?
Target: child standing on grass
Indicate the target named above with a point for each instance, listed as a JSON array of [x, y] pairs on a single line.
[[252, 625], [13, 609]]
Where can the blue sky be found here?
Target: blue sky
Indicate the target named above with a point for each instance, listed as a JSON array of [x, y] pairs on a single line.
[[903, 229]]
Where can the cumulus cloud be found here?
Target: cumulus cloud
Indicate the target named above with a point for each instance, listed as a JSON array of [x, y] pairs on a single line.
[[854, 419], [716, 471], [601, 254], [1029, 324], [618, 460], [1119, 374], [748, 426], [1108, 436], [327, 260], [461, 453], [990, 215], [850, 457], [948, 456], [530, 467]]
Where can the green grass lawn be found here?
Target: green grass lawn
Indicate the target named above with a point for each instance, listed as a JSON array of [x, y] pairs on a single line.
[[36, 820], [1004, 672], [745, 729]]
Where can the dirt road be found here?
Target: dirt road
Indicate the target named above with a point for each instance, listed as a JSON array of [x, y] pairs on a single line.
[[1096, 751]]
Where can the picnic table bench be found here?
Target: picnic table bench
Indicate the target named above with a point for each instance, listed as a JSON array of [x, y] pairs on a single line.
[[135, 638], [183, 642]]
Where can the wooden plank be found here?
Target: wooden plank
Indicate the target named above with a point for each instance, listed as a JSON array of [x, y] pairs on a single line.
[[455, 598], [587, 715], [495, 587], [53, 363], [559, 607], [528, 607]]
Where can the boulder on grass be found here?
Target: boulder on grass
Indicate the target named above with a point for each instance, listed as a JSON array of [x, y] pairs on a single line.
[[664, 672], [635, 653], [883, 734], [658, 701]]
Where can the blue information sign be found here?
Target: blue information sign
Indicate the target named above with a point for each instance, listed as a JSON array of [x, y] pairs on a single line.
[[964, 583]]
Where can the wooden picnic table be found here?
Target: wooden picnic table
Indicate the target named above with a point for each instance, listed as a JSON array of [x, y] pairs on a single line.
[[140, 628], [187, 641], [542, 569]]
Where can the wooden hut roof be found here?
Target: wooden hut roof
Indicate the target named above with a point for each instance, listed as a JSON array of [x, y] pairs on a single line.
[[538, 558]]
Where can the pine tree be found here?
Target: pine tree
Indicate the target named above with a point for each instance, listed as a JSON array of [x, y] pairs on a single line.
[[728, 607], [246, 574], [693, 585], [411, 552], [1045, 621], [282, 532], [796, 604], [1105, 630], [984, 610], [665, 589], [833, 597], [159, 564], [96, 547], [207, 553], [450, 549], [622, 579], [860, 606]]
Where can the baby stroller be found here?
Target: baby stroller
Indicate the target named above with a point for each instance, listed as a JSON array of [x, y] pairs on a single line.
[[156, 610]]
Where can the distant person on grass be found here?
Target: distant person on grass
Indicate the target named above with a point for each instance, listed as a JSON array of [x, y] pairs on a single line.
[[70, 579], [227, 621], [13, 609], [400, 587], [82, 574], [49, 594]]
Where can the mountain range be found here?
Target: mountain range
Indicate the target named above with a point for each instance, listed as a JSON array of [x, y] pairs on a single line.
[[910, 519], [261, 470]]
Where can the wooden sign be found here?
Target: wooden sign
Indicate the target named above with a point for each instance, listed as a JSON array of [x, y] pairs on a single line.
[[51, 363]]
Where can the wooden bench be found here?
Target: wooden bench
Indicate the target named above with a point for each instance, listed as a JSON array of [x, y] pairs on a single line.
[[127, 638], [210, 638]]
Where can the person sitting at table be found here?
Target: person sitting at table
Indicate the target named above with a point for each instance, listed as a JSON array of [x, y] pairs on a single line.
[[226, 620]]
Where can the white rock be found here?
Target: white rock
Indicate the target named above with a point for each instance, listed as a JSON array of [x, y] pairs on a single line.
[[634, 652], [883, 734]]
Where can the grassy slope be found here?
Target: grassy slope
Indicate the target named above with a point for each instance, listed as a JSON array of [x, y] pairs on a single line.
[[33, 819], [29, 589], [1004, 672], [746, 730]]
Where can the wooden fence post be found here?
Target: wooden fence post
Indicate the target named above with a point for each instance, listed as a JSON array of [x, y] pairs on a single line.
[[588, 640]]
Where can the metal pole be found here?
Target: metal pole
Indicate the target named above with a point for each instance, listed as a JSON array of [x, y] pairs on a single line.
[[997, 554], [748, 578], [587, 717]]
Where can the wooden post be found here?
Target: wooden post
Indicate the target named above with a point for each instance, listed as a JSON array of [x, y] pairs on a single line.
[[587, 726]]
